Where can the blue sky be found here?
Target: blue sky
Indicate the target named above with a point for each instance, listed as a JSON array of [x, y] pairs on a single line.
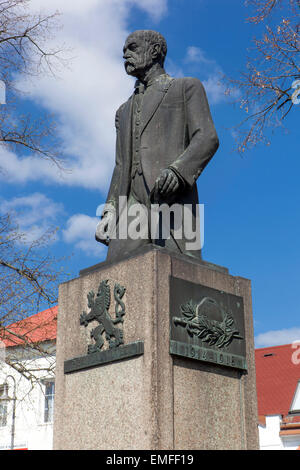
[[251, 203]]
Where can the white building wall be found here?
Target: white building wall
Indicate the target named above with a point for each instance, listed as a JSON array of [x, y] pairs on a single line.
[[270, 439], [31, 431]]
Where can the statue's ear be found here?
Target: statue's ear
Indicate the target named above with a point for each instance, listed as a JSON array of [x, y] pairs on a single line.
[[156, 50]]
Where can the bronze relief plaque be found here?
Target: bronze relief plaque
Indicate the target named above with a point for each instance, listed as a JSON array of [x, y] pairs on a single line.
[[207, 324], [107, 330]]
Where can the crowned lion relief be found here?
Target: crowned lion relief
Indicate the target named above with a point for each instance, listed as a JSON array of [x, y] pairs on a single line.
[[99, 310]]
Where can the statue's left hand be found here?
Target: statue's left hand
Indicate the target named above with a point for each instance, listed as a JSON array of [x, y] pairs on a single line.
[[105, 226], [166, 184]]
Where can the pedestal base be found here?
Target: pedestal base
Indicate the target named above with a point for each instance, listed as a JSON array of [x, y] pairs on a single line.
[[155, 400]]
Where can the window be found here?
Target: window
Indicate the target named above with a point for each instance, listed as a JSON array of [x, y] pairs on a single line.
[[49, 401], [3, 414], [3, 405], [295, 406]]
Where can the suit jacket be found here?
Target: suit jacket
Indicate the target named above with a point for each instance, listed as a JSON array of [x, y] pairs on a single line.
[[177, 132]]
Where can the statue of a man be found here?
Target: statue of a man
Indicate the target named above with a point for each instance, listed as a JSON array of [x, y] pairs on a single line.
[[165, 138]]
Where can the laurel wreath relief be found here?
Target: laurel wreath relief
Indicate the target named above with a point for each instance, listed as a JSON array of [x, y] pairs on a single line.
[[213, 332]]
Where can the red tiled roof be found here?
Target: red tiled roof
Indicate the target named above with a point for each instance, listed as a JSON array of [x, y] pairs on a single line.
[[35, 329], [291, 420], [277, 376]]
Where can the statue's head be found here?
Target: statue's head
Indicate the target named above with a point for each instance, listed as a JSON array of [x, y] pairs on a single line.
[[143, 49]]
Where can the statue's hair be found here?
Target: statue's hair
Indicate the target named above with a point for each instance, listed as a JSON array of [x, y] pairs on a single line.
[[153, 37]]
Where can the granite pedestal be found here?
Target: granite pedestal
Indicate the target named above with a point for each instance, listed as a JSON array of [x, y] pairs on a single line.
[[152, 399]]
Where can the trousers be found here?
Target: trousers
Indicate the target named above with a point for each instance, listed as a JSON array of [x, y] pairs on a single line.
[[121, 247]]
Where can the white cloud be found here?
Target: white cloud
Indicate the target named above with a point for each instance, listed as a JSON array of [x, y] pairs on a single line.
[[87, 93], [215, 89], [80, 231], [16, 169], [277, 337], [173, 69], [195, 54], [34, 214], [211, 75], [155, 8]]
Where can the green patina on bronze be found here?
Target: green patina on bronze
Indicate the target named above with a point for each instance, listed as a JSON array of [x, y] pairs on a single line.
[[199, 353], [213, 332], [101, 358], [99, 311], [165, 137], [207, 324]]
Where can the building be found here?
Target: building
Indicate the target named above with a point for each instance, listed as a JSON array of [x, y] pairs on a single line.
[[27, 397], [278, 394]]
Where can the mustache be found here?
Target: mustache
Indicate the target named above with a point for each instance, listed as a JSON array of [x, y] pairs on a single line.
[[129, 62]]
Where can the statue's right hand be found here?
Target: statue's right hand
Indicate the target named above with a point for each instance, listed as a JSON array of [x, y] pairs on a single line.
[[105, 227]]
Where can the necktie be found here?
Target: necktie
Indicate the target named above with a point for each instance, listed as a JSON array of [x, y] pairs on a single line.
[[139, 92], [139, 87]]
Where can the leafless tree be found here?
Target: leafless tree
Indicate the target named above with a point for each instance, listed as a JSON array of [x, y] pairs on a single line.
[[268, 87], [24, 39], [29, 278]]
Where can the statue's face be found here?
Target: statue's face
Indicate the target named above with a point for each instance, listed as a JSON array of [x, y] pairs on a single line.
[[137, 55]]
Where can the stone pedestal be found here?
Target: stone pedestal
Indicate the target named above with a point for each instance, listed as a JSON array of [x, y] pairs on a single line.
[[152, 399]]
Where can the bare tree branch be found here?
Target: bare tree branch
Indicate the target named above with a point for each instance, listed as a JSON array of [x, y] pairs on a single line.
[[266, 93], [28, 279], [24, 51]]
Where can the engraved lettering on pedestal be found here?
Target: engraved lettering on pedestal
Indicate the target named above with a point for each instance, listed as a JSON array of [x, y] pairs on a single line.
[[99, 311], [207, 324]]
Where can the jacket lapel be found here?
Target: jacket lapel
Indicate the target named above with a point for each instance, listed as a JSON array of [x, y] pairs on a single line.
[[124, 149], [152, 99], [126, 130]]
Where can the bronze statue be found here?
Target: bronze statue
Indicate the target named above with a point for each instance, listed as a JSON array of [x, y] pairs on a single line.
[[165, 138]]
